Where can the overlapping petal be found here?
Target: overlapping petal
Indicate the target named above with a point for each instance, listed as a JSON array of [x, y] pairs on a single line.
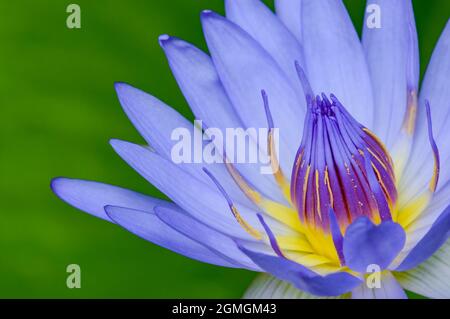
[[289, 12], [199, 199], [92, 197], [235, 54], [335, 61], [368, 244], [431, 278], [391, 51], [334, 284], [436, 89], [135, 212], [201, 86], [221, 244], [273, 35], [156, 122], [266, 286], [434, 238], [388, 288], [149, 227]]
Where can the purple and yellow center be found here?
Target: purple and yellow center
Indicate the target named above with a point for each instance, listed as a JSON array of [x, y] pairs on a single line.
[[342, 172]]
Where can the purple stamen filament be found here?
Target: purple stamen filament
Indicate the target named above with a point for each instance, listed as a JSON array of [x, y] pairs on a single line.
[[340, 165]]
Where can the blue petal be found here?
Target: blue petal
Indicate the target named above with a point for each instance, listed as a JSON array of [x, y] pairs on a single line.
[[200, 199], [265, 286], [156, 122], [420, 227], [387, 50], [432, 277], [272, 34], [219, 243], [289, 12], [200, 84], [335, 61], [368, 244], [198, 80], [435, 238], [304, 279], [92, 197], [148, 226], [435, 88], [389, 289], [235, 53]]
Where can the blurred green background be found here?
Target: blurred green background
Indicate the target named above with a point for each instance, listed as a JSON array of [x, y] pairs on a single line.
[[58, 111]]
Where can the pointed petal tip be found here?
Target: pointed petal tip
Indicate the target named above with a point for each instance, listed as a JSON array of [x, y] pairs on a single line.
[[57, 184], [70, 191], [115, 212], [119, 84], [63, 186], [163, 38], [209, 15], [122, 88], [109, 211], [114, 142], [206, 13], [175, 48], [166, 41], [120, 145]]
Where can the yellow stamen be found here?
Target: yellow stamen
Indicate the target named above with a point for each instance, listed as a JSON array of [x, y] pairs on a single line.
[[249, 229], [280, 212], [276, 169], [318, 194], [327, 182], [380, 143], [434, 178], [305, 187], [252, 194], [409, 121]]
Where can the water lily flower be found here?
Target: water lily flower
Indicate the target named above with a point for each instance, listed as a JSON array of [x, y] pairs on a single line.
[[358, 205]]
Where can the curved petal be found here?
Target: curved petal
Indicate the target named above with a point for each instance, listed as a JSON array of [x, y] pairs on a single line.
[[154, 120], [200, 200], [92, 197], [334, 57], [266, 286], [289, 13], [368, 244], [302, 278], [421, 226], [235, 53], [219, 243], [436, 89], [148, 226], [436, 236], [389, 289], [157, 122], [388, 50], [273, 35], [198, 80], [432, 278], [201, 86]]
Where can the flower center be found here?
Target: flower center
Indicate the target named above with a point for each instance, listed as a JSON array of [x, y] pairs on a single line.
[[342, 171], [340, 165]]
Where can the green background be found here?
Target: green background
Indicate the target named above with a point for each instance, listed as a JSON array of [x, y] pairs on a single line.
[[58, 111]]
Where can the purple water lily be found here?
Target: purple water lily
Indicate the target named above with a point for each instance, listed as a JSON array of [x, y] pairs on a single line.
[[358, 205]]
